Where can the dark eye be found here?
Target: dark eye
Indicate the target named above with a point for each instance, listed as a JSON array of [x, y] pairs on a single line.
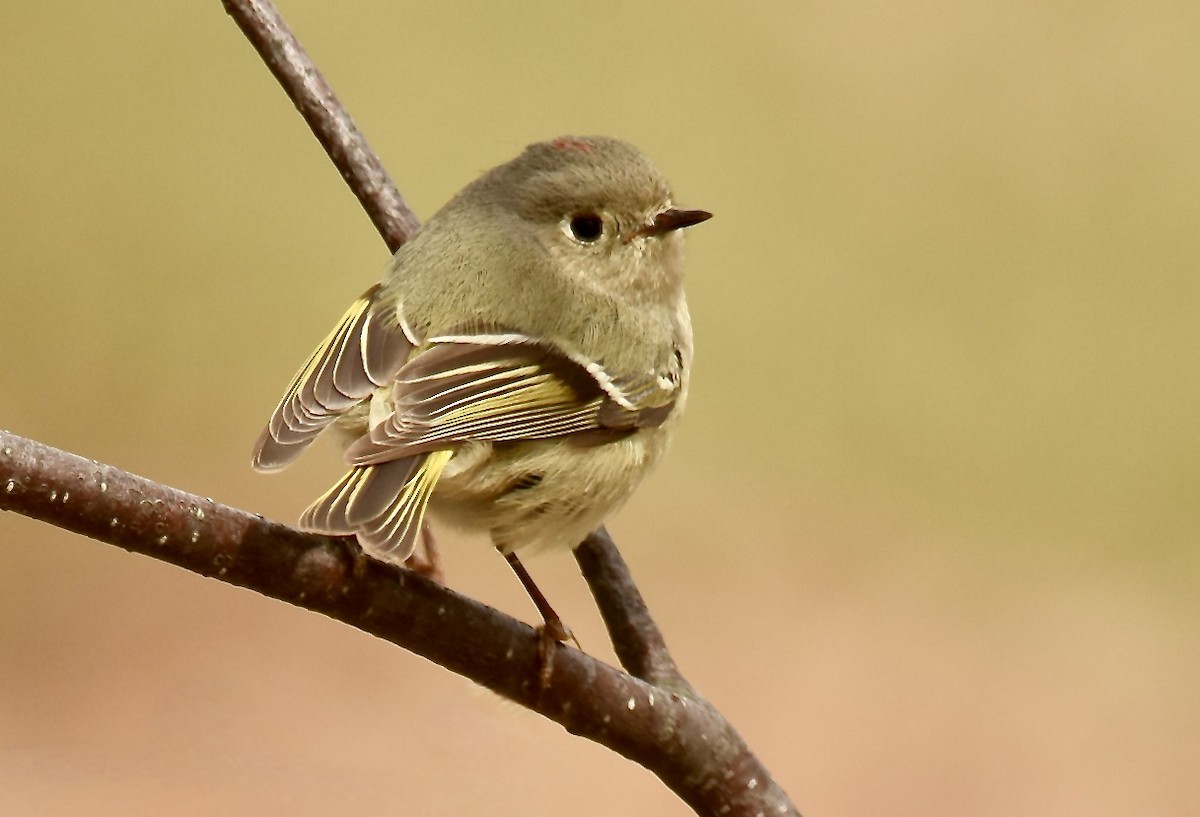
[[586, 227]]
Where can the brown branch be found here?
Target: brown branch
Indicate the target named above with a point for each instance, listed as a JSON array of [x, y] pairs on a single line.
[[329, 121], [684, 741], [639, 644]]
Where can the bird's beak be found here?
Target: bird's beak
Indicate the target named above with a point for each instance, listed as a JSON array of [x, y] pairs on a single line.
[[672, 219]]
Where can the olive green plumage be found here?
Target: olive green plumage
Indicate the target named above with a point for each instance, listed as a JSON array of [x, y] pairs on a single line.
[[521, 366]]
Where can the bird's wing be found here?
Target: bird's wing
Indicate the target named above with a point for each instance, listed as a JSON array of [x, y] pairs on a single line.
[[506, 387], [363, 352]]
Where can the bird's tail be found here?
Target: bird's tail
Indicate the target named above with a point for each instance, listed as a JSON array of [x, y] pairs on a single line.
[[382, 505]]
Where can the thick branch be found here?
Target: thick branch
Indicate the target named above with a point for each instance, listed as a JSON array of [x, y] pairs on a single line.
[[685, 742]]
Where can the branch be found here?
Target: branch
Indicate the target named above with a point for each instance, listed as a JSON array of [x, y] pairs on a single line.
[[636, 639], [684, 741], [329, 121]]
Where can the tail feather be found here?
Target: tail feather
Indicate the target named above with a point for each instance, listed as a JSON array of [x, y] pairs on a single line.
[[383, 505], [328, 513], [377, 489]]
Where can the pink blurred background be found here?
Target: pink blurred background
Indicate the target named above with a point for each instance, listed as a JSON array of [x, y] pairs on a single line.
[[929, 537]]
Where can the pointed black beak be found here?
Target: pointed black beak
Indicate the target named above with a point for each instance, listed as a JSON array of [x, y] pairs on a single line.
[[673, 219]]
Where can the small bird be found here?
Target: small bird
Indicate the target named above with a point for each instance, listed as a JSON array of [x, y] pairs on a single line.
[[521, 366]]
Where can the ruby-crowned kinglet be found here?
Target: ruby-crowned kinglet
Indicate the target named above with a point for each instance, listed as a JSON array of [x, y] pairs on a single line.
[[520, 367]]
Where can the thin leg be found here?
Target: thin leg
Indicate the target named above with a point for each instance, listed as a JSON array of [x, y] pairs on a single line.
[[553, 626], [552, 632]]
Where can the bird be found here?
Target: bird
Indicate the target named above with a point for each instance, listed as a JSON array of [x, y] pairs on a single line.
[[521, 365]]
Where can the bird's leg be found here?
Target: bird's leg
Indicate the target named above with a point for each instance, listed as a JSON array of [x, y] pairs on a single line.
[[429, 563], [552, 625], [552, 632]]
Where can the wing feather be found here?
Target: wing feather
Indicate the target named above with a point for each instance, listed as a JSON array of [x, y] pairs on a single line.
[[497, 388], [364, 351], [500, 389]]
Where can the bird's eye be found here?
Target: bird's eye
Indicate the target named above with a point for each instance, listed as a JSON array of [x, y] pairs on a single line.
[[586, 227]]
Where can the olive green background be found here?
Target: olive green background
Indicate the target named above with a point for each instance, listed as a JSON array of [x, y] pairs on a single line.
[[929, 536]]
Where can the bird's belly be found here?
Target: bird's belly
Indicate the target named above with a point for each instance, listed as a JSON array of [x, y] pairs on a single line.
[[533, 495]]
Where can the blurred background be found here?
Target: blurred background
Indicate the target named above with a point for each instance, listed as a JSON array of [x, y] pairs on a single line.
[[930, 537]]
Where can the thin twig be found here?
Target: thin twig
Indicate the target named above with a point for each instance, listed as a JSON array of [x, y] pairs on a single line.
[[637, 641], [329, 121]]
